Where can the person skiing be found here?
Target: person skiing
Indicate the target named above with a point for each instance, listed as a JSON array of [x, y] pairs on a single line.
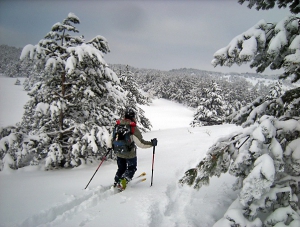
[[126, 157]]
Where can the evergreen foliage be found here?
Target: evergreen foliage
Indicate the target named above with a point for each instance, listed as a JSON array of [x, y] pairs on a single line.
[[269, 4], [274, 45], [75, 98], [264, 156], [134, 97], [211, 108], [18, 82]]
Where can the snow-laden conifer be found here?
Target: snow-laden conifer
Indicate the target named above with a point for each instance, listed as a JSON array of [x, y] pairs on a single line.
[[211, 109], [135, 98], [264, 156], [75, 98]]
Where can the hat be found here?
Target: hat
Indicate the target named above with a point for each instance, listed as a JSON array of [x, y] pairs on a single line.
[[129, 113]]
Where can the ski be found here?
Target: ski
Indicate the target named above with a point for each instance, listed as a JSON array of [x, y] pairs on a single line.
[[140, 180], [137, 181], [134, 180], [141, 175]]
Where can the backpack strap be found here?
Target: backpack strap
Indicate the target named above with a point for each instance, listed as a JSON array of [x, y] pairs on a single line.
[[131, 123], [132, 126]]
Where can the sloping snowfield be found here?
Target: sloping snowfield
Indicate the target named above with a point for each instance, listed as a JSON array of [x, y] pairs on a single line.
[[33, 197], [12, 99]]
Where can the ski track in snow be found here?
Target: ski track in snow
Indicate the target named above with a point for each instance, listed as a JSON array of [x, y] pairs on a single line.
[[69, 209], [166, 203], [158, 213]]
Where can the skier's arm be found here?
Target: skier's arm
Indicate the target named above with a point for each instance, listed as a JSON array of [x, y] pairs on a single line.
[[139, 141]]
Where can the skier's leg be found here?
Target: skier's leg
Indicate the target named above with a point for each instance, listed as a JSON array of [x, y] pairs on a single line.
[[122, 166], [131, 168]]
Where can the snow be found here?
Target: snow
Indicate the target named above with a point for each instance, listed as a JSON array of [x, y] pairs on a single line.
[[168, 114], [249, 49], [33, 197], [249, 41], [295, 43], [82, 51], [73, 16], [258, 135], [71, 64], [293, 58], [294, 149], [12, 99], [278, 42], [276, 149], [28, 50]]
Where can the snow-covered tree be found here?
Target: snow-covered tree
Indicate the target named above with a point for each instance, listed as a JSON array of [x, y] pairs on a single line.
[[18, 82], [75, 100], [248, 114], [265, 160], [275, 91], [264, 156], [211, 108], [134, 98]]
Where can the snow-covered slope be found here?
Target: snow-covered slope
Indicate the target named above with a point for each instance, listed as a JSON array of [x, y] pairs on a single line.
[[12, 99], [33, 197]]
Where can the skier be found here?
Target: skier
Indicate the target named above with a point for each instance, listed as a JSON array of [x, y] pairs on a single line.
[[127, 161]]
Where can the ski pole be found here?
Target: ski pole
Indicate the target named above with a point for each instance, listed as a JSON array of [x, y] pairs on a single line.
[[152, 165], [98, 167]]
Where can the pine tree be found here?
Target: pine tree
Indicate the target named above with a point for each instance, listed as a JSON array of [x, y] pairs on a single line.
[[75, 97], [211, 108], [134, 98], [18, 82], [264, 156]]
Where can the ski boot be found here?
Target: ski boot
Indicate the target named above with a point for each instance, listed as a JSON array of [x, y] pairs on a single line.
[[121, 185]]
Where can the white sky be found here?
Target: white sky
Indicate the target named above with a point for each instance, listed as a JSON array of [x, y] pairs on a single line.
[[146, 34]]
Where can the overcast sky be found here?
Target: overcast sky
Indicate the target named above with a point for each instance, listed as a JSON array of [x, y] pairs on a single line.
[[146, 34]]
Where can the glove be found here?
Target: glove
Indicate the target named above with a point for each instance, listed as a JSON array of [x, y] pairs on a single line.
[[154, 142]]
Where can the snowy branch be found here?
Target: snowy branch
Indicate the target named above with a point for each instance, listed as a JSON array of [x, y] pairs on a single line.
[[61, 131], [264, 45]]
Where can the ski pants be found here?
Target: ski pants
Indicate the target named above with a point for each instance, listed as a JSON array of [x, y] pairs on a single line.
[[126, 168]]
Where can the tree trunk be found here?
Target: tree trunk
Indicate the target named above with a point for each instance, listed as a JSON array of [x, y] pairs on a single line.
[[61, 115]]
